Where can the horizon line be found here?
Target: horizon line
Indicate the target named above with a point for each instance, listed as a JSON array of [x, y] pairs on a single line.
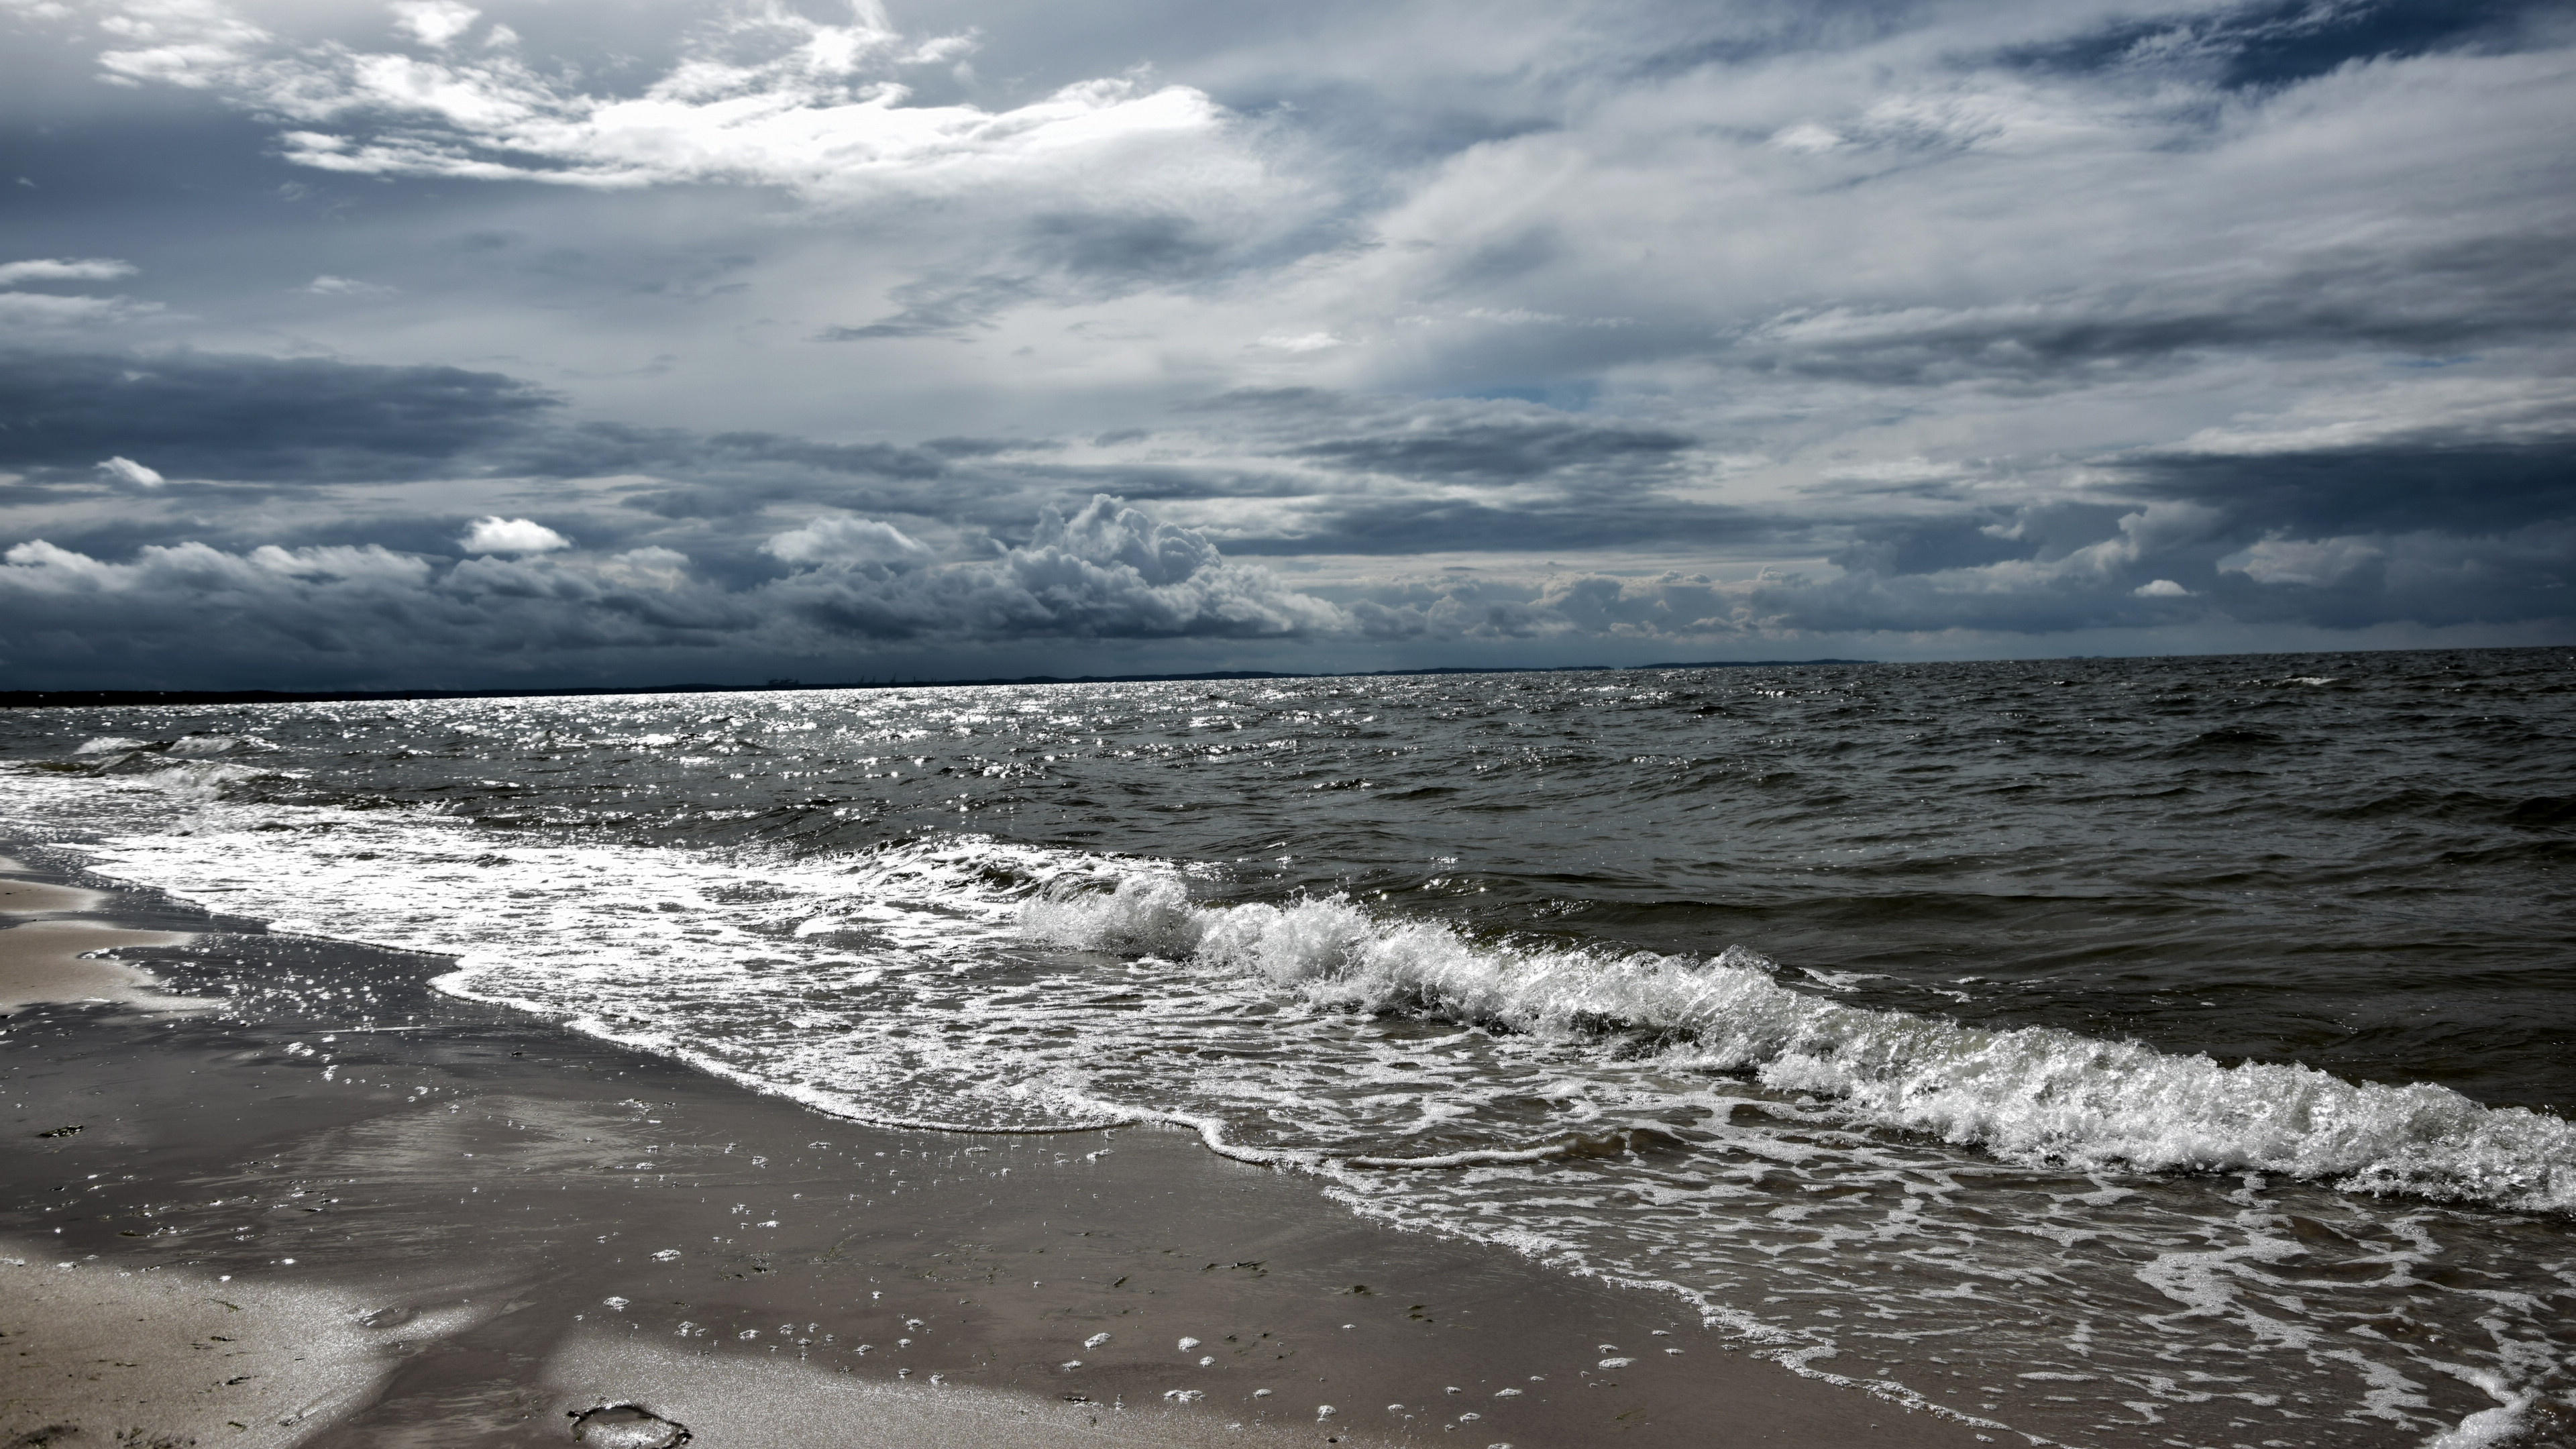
[[114, 698]]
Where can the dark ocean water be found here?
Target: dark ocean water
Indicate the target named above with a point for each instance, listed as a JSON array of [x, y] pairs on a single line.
[[2100, 1050]]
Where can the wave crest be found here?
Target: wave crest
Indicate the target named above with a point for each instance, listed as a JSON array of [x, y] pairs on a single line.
[[2032, 1094]]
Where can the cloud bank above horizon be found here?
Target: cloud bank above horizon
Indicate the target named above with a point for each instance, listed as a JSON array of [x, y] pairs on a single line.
[[432, 344]]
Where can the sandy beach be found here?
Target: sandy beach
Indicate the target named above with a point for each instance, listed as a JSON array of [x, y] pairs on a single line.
[[274, 1190]]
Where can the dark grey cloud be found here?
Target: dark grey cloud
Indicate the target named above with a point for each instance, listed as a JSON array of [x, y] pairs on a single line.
[[1500, 440], [756, 460], [1293, 402], [1370, 291], [228, 431], [1463, 607], [941, 308], [111, 169], [2405, 531], [2277, 42], [2492, 290], [1059, 256], [1370, 526], [1395, 129], [197, 415], [1932, 545], [1167, 483], [1702, 36], [232, 433], [2403, 486], [724, 541], [1508, 450], [1124, 250], [190, 613], [1873, 603], [2223, 574], [736, 500], [878, 460]]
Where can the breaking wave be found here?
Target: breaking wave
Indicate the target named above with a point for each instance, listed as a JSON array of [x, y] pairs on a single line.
[[2029, 1094]]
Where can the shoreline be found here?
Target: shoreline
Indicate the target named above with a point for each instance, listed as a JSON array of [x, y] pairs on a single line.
[[484, 1224]]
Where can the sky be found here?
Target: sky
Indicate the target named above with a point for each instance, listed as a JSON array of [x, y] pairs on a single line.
[[562, 342]]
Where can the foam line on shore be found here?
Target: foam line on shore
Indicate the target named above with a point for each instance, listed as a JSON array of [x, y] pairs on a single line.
[[898, 986]]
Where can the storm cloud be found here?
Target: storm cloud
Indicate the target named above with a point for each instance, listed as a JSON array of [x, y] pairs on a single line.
[[369, 615], [600, 343], [191, 415]]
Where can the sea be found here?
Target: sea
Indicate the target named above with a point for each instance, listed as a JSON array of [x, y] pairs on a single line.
[[2101, 1052]]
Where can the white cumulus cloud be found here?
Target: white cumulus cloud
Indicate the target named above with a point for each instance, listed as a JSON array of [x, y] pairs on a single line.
[[512, 535], [1108, 571], [126, 470], [845, 540]]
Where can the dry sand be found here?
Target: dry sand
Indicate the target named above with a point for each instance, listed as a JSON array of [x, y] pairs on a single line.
[[415, 1221]]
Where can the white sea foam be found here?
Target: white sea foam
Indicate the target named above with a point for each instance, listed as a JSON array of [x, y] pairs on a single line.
[[1680, 1123], [198, 746], [108, 745], [2032, 1094]]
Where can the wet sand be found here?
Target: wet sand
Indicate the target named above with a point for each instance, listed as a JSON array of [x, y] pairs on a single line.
[[48, 932], [343, 1209]]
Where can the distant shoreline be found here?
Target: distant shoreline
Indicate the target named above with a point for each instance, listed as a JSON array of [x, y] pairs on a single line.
[[111, 698]]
